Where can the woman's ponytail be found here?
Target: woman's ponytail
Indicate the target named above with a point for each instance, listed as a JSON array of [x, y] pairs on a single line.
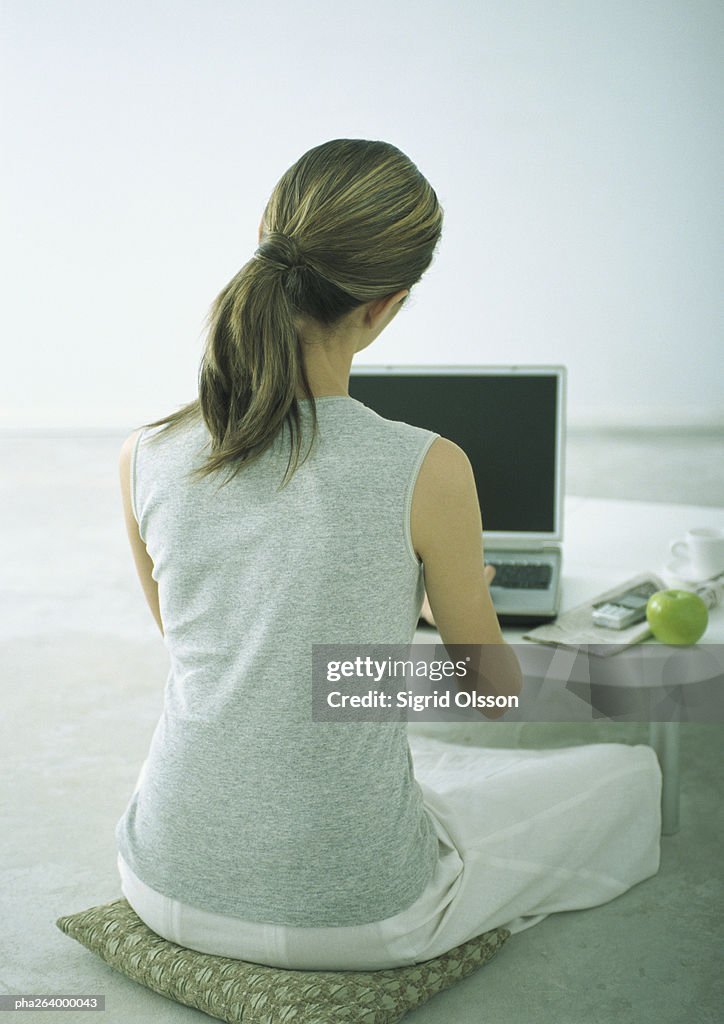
[[252, 367]]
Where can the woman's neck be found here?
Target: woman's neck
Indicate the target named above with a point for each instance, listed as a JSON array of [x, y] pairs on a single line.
[[327, 370]]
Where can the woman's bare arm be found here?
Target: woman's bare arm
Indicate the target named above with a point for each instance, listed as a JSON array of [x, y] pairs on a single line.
[[144, 564], [447, 534]]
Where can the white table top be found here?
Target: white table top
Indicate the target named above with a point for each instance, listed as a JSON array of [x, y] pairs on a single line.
[[614, 537], [605, 542]]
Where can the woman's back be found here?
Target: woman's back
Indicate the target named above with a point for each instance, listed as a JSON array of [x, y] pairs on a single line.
[[248, 807]]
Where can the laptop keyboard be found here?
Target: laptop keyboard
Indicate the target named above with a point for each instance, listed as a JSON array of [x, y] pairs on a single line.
[[522, 575]]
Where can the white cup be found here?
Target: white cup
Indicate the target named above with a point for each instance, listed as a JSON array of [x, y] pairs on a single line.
[[703, 547]]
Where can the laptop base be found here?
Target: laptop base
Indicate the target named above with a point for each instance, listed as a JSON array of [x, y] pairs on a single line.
[[525, 620]]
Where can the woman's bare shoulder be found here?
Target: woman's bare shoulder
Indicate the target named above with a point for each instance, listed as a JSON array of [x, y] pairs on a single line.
[[445, 469]]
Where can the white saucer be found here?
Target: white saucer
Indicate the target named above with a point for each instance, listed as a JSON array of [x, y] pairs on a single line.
[[682, 570]]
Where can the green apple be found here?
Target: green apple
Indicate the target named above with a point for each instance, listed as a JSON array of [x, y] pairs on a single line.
[[677, 616]]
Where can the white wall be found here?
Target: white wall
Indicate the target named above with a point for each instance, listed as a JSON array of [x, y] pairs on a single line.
[[575, 146]]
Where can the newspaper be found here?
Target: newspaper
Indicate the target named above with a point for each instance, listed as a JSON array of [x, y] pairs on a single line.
[[575, 628]]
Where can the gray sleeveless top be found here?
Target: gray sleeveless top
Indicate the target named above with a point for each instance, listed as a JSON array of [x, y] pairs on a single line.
[[248, 807]]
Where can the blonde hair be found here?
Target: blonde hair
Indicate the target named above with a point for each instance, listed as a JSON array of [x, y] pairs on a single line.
[[351, 221]]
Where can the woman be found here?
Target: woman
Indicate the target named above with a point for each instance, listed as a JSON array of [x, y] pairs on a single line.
[[276, 512]]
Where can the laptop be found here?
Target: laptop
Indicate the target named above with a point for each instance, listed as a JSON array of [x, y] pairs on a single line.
[[510, 421]]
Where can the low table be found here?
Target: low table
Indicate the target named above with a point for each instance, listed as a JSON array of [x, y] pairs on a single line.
[[605, 543]]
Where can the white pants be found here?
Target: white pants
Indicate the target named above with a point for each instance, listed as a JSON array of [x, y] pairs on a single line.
[[522, 834]]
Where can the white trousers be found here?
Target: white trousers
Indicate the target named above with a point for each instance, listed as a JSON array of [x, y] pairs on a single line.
[[521, 834]]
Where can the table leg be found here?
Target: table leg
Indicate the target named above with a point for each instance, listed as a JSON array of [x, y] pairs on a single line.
[[664, 738]]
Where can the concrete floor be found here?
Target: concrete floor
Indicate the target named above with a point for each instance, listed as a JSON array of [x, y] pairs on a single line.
[[83, 668]]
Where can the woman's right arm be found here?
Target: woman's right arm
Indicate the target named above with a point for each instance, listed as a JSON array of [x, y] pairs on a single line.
[[447, 535]]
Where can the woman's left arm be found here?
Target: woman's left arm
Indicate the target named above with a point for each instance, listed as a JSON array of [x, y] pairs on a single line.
[[144, 563]]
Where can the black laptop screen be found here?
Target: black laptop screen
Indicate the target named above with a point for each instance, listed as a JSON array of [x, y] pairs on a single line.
[[505, 423]]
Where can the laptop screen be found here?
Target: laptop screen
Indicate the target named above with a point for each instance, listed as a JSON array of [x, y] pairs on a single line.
[[506, 422]]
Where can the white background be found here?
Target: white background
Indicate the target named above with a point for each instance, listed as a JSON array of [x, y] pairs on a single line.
[[576, 148]]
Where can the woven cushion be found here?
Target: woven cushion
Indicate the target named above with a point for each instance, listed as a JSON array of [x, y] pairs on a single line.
[[238, 991]]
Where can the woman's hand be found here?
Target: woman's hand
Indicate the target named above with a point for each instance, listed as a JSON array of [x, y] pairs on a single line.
[[426, 610]]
